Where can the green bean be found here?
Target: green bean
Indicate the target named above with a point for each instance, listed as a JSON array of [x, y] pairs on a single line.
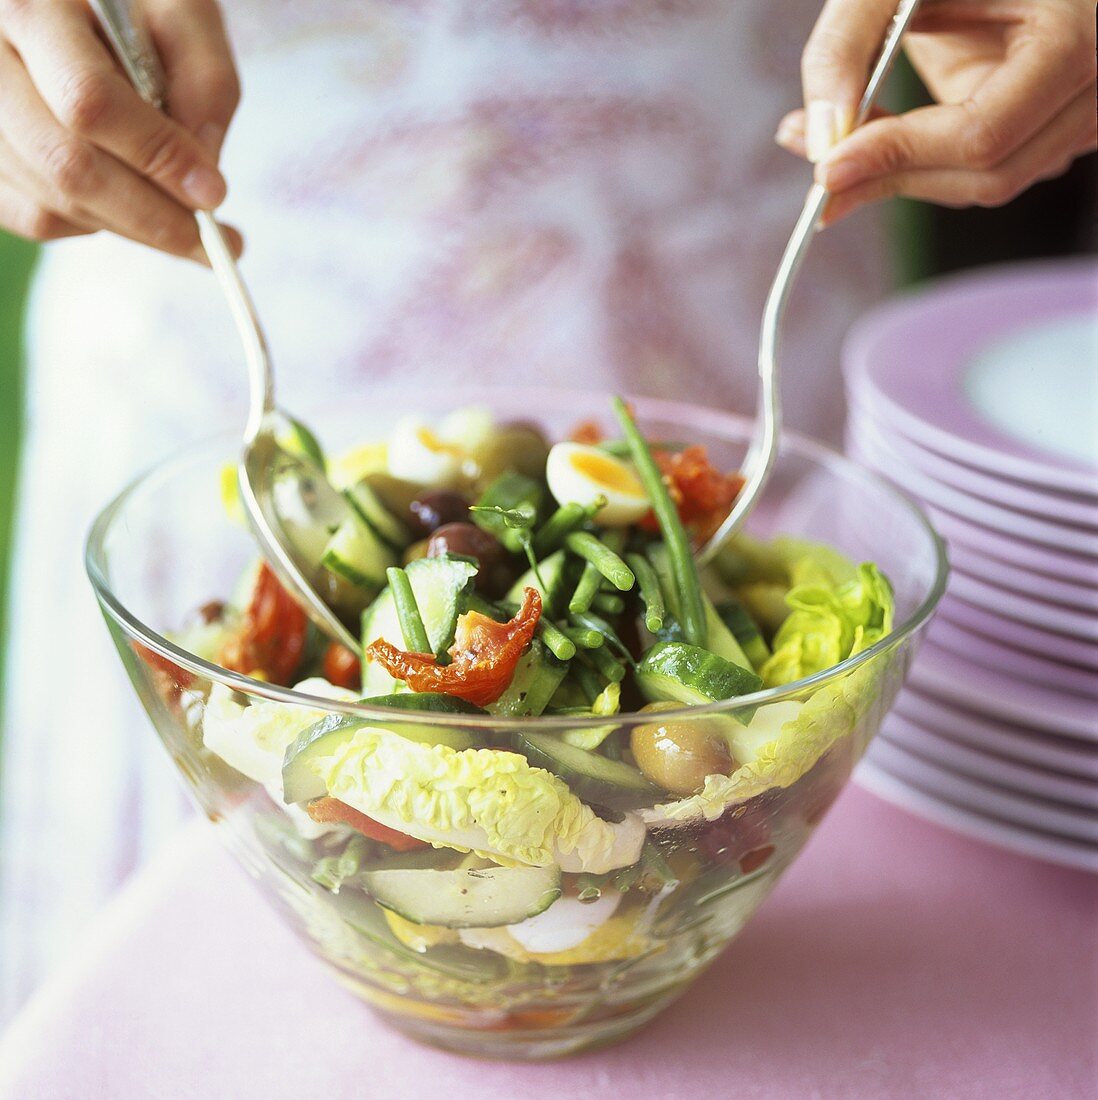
[[587, 681], [683, 568], [411, 623], [550, 536], [560, 645], [584, 638], [604, 663], [587, 620], [604, 559], [649, 585], [609, 603], [587, 589]]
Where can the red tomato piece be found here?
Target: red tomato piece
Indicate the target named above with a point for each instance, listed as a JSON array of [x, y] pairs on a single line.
[[330, 811], [341, 666], [484, 654], [270, 639]]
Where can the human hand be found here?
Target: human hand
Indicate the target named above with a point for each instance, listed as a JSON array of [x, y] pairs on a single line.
[[81, 151], [1014, 84]]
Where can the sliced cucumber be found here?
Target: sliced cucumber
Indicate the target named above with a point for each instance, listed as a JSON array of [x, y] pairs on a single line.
[[378, 518], [300, 783], [469, 898], [550, 580], [681, 673], [611, 784], [537, 676], [720, 640], [439, 585], [357, 555], [745, 630]]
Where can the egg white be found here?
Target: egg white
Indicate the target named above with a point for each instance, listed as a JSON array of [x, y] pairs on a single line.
[[570, 484]]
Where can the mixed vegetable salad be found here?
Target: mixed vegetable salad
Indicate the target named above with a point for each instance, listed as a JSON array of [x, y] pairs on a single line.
[[495, 574]]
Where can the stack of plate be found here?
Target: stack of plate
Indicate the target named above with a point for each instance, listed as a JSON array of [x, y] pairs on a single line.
[[979, 397]]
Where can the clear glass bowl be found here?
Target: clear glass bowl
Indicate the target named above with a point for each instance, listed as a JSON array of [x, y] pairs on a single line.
[[165, 547]]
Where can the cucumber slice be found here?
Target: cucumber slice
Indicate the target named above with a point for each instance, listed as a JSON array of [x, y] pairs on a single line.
[[611, 784], [439, 585], [537, 677], [300, 783], [357, 555], [378, 518], [681, 673], [553, 584], [720, 640], [487, 898], [745, 630]]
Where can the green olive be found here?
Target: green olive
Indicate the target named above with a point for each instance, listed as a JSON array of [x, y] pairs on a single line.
[[518, 447], [679, 755], [416, 550]]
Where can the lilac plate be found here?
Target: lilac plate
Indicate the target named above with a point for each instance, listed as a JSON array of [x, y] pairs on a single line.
[[1009, 605], [987, 766], [1002, 738], [986, 798], [963, 819], [1017, 525], [918, 362], [1023, 581], [1042, 560], [1066, 508], [1028, 666], [1032, 639], [950, 676]]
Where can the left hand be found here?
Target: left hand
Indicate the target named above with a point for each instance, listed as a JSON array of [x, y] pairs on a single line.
[[1014, 84]]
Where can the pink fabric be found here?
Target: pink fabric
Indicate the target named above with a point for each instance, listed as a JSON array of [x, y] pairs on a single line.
[[895, 960]]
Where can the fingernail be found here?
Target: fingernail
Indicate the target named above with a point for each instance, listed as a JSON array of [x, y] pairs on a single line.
[[819, 129], [210, 136], [839, 174], [789, 130], [844, 122], [204, 187]]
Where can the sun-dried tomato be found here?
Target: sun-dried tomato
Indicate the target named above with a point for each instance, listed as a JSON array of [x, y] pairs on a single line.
[[484, 655], [330, 811], [341, 667], [587, 431], [701, 493], [270, 638]]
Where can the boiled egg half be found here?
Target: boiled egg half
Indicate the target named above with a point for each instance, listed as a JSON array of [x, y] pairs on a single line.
[[581, 474]]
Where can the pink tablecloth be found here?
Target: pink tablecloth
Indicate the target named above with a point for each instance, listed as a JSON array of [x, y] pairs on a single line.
[[895, 960]]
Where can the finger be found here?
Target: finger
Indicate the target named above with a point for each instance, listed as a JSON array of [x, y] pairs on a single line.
[[203, 88], [1002, 115], [90, 97], [78, 181], [25, 218], [835, 67], [1073, 132], [790, 132]]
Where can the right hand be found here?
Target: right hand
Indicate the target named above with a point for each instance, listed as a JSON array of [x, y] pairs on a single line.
[[81, 151]]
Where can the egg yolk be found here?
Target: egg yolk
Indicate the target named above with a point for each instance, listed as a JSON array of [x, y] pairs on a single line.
[[606, 472]]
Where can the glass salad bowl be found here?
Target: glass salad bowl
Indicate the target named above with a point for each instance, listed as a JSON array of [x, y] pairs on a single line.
[[593, 919]]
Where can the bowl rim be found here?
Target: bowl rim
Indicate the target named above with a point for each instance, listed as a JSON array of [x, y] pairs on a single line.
[[653, 408]]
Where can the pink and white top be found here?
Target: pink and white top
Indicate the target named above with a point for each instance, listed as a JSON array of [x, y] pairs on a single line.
[[581, 192]]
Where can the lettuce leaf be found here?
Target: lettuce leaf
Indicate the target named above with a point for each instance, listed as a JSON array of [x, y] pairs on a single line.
[[828, 622], [487, 801]]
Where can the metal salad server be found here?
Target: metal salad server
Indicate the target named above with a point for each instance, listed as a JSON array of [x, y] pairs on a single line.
[[763, 451], [286, 497]]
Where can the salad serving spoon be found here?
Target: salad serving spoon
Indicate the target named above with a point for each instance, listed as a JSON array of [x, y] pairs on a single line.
[[285, 494], [763, 450]]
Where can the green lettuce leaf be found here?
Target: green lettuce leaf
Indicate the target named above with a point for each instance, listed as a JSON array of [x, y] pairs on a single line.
[[487, 801], [828, 622]]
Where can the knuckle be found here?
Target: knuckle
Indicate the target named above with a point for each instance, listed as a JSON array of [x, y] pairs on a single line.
[[85, 98], [828, 51], [894, 154], [39, 224], [983, 145], [70, 167], [224, 88], [163, 155], [997, 189], [175, 235]]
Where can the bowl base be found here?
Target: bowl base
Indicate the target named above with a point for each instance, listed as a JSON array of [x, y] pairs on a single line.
[[505, 1039]]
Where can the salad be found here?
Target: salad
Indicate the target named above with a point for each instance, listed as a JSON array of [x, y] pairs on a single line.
[[607, 836]]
